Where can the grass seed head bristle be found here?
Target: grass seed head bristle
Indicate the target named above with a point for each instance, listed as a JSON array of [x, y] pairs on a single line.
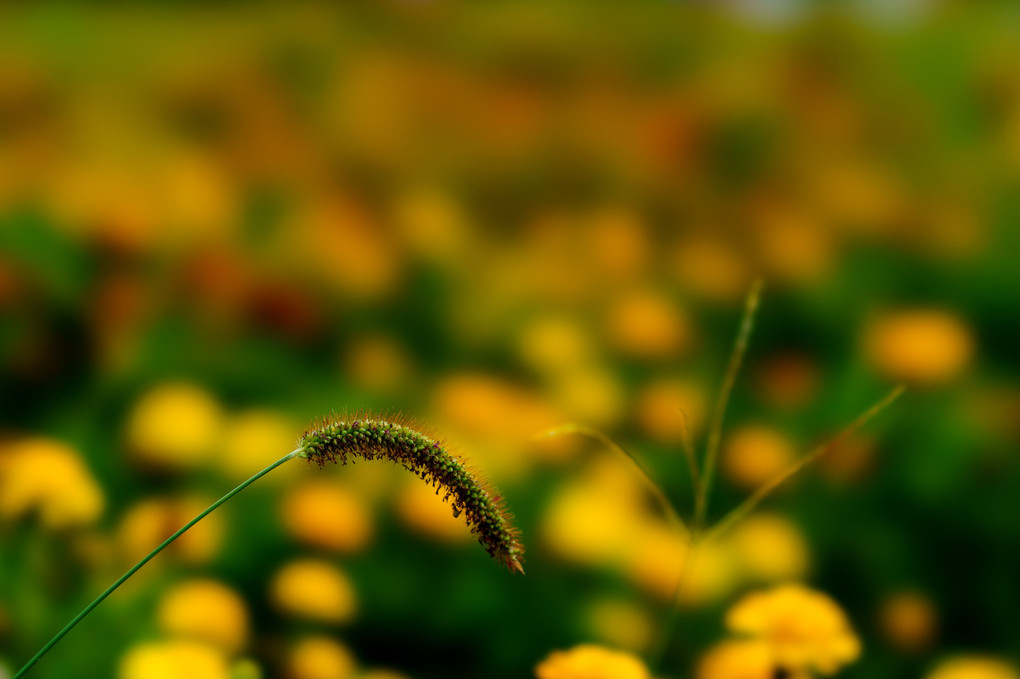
[[340, 439]]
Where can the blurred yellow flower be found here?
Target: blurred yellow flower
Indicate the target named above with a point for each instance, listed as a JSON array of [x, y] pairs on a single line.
[[618, 241], [856, 193], [50, 478], [174, 426], [589, 395], [805, 629], [556, 449], [326, 514], [421, 509], [594, 520], [581, 525], [555, 344], [712, 269], [320, 657], [663, 406], [738, 659], [173, 660], [908, 620], [253, 439], [752, 454], [769, 547], [793, 244], [149, 522], [377, 362], [109, 200], [431, 224], [206, 610], [339, 239], [473, 409], [547, 265], [647, 325], [657, 558], [588, 661], [974, 667], [621, 623], [198, 198], [479, 404], [926, 346], [313, 589]]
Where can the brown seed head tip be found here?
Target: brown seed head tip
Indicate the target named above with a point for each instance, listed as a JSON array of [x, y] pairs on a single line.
[[361, 435], [515, 565]]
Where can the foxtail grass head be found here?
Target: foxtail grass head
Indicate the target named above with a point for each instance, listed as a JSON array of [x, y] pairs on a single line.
[[339, 439], [342, 438]]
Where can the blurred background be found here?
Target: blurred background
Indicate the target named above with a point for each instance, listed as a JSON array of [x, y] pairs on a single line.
[[218, 222]]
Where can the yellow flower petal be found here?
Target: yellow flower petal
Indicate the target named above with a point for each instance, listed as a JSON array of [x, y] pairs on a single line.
[[588, 661], [205, 610], [315, 590]]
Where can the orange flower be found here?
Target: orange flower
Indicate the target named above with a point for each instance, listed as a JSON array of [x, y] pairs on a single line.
[[152, 520], [741, 659], [648, 325], [177, 658], [665, 406], [908, 620], [174, 426], [754, 454], [320, 657], [49, 477], [327, 515], [205, 610], [770, 547], [975, 667], [923, 346], [805, 629], [314, 590], [588, 661]]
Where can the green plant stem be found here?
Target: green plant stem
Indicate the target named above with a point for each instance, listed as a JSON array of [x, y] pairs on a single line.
[[766, 489], [687, 444], [134, 569], [665, 504], [658, 653], [719, 411]]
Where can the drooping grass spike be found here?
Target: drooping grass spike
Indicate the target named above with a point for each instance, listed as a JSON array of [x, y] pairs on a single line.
[[370, 438], [338, 439]]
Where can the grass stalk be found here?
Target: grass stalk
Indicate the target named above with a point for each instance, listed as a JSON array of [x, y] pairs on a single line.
[[766, 489], [148, 557], [666, 505], [687, 443], [658, 653], [719, 410]]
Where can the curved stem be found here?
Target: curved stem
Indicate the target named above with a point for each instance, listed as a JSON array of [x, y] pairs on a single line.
[[766, 489], [658, 652], [692, 459], [134, 569], [665, 504], [719, 411]]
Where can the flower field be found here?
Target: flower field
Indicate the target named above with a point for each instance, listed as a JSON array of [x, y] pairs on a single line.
[[705, 316]]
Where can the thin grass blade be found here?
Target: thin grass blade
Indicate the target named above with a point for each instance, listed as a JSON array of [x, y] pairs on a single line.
[[667, 506], [719, 410], [748, 505]]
